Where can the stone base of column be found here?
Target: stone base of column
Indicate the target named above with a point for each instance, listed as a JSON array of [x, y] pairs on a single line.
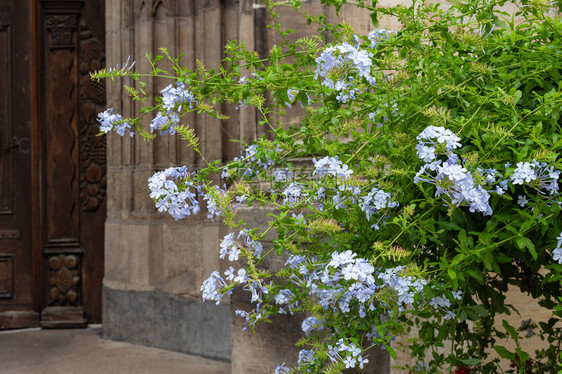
[[159, 319]]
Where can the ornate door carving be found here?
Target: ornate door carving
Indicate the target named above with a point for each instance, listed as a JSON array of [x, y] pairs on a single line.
[[74, 163]]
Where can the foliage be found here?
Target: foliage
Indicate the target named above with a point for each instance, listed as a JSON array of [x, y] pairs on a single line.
[[431, 185]]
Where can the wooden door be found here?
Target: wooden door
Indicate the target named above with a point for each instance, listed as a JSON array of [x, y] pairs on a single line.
[[52, 163], [16, 255]]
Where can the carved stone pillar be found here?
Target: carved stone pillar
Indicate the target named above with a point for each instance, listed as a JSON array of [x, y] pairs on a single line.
[[151, 260]]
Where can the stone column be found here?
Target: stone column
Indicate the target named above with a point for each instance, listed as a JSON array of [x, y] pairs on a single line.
[[155, 266]]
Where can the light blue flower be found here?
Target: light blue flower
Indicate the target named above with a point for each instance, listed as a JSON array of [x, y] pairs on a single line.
[[211, 287], [524, 172], [111, 121], [175, 97], [311, 323]]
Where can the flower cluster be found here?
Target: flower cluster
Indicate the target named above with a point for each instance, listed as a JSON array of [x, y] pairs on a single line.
[[450, 177], [536, 174], [178, 201], [282, 175], [442, 302], [375, 201], [310, 324], [331, 166], [250, 163], [253, 246], [348, 353], [377, 35], [404, 287], [173, 99], [214, 197], [229, 247], [293, 193], [212, 287], [339, 65], [111, 121]]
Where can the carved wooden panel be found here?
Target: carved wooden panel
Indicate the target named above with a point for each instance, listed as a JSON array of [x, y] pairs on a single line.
[[61, 141], [64, 280], [6, 276], [61, 123], [6, 157], [61, 29], [75, 162], [93, 168]]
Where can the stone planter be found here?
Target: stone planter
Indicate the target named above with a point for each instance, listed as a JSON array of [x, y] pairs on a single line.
[[272, 344]]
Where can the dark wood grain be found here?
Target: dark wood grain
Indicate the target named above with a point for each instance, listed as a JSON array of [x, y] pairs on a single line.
[[16, 253]]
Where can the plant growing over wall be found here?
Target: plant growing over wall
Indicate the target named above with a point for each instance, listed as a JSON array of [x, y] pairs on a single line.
[[432, 183]]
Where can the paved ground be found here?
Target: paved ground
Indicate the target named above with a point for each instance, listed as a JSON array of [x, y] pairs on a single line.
[[83, 351]]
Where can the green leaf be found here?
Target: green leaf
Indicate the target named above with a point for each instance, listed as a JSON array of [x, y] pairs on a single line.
[[517, 96], [526, 225], [522, 242], [453, 276], [480, 310], [511, 331], [471, 361], [390, 351], [488, 260], [504, 353], [523, 356], [476, 275]]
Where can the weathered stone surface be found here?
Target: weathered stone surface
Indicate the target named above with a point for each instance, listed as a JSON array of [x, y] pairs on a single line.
[[271, 345], [128, 316], [159, 319]]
